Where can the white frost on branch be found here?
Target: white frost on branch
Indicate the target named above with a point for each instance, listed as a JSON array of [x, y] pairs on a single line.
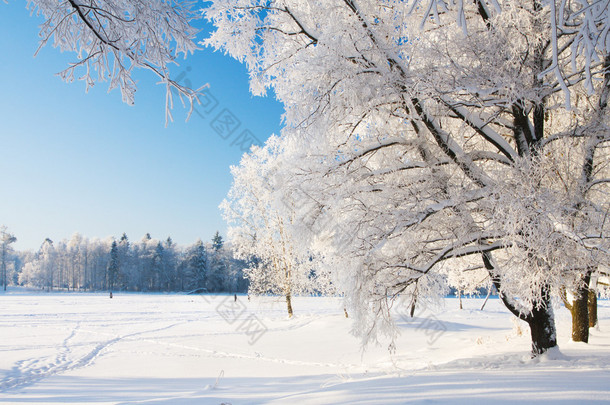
[[112, 38]]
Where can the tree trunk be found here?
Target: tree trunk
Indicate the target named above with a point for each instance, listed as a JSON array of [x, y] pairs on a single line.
[[289, 304], [580, 315], [542, 326], [4, 267], [582, 309], [486, 298], [579, 309], [592, 307], [460, 298], [541, 319]]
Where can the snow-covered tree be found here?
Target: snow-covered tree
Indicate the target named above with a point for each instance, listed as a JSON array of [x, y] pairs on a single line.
[[220, 275], [434, 135], [149, 253], [263, 228], [77, 259], [169, 264], [6, 239], [20, 258], [228, 270], [113, 266], [217, 273], [48, 264], [217, 241], [126, 265], [31, 274], [113, 38], [196, 265]]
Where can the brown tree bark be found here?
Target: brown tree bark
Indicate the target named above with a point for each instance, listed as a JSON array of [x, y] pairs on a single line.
[[580, 309], [580, 315], [289, 304], [592, 306]]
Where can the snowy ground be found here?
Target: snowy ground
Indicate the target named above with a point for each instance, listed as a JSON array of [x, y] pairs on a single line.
[[176, 349]]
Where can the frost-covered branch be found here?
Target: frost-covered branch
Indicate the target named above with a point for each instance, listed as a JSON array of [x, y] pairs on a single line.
[[111, 38]]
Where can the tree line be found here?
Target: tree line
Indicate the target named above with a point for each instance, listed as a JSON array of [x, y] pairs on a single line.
[[147, 265]]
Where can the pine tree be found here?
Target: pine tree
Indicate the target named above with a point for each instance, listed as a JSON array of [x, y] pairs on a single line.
[[197, 263], [113, 266], [217, 242], [125, 263], [169, 276], [157, 267]]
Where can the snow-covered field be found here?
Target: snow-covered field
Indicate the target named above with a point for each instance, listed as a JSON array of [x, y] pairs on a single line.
[[179, 349]]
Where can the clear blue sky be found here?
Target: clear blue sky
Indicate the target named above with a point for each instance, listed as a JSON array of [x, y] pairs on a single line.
[[72, 161]]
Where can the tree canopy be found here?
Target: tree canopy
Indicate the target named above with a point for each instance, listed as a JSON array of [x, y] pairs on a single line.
[[428, 137]]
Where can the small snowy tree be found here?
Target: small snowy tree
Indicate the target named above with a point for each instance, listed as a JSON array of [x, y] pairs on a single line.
[[32, 275], [6, 239], [263, 230], [468, 280]]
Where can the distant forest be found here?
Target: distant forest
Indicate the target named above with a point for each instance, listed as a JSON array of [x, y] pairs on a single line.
[[83, 264]]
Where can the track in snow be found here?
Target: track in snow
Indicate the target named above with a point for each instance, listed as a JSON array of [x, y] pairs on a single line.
[[31, 371]]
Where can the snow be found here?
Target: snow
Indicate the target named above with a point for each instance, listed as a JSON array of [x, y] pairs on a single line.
[[185, 349]]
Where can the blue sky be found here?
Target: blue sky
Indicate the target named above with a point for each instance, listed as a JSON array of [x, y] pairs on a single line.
[[72, 161]]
